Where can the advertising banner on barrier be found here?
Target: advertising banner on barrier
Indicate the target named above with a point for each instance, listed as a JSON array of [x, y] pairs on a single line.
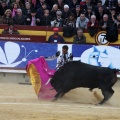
[[15, 55]]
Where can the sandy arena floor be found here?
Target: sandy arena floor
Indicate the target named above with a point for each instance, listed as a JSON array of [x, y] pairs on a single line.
[[19, 102]]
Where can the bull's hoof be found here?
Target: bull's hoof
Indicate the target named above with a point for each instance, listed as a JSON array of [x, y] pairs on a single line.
[[54, 99]]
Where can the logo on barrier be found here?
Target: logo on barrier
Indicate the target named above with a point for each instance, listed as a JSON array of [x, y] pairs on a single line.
[[101, 38]]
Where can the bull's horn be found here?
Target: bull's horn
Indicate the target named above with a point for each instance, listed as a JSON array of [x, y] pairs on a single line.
[[48, 81]]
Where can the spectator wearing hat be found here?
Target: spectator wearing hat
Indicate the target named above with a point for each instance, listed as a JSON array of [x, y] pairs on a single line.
[[46, 19], [58, 21], [56, 38], [82, 21], [77, 11], [32, 19], [10, 29], [7, 18], [19, 18]]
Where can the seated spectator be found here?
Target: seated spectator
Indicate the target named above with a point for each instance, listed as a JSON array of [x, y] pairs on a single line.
[[45, 19], [19, 18], [73, 5], [113, 15], [105, 23], [39, 4], [58, 21], [99, 4], [56, 38], [111, 4], [85, 6], [7, 18], [27, 9], [3, 7], [53, 11], [60, 4], [40, 11], [32, 19], [118, 8], [77, 11], [71, 21], [15, 6], [118, 21], [10, 29], [82, 21], [99, 14], [92, 26], [89, 12], [66, 12], [79, 38], [19, 2]]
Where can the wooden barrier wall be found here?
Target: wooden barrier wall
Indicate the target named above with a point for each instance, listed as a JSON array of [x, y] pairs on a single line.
[[42, 33]]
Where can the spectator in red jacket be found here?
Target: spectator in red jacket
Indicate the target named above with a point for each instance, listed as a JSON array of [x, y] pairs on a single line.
[[92, 26]]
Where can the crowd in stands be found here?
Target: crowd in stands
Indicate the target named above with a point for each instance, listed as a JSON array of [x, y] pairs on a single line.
[[90, 14]]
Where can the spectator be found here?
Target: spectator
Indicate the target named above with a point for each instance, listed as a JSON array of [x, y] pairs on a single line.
[[66, 12], [3, 8], [105, 23], [27, 9], [73, 5], [118, 21], [19, 3], [79, 38], [71, 21], [10, 29], [100, 13], [99, 4], [89, 12], [65, 57], [40, 11], [53, 11], [85, 6], [56, 38], [82, 21], [118, 8], [46, 19], [111, 4], [15, 6], [113, 16], [32, 19], [19, 19], [39, 4], [92, 26], [58, 21], [7, 18], [60, 4], [77, 11]]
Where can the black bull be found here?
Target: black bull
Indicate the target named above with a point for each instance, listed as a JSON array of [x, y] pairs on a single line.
[[77, 74]]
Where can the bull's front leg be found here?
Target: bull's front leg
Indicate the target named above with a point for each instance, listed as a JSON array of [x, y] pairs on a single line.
[[57, 95]]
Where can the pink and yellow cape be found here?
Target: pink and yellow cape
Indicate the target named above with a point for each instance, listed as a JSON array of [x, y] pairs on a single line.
[[40, 73]]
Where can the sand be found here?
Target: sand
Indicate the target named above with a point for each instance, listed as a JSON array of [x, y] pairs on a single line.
[[19, 102]]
